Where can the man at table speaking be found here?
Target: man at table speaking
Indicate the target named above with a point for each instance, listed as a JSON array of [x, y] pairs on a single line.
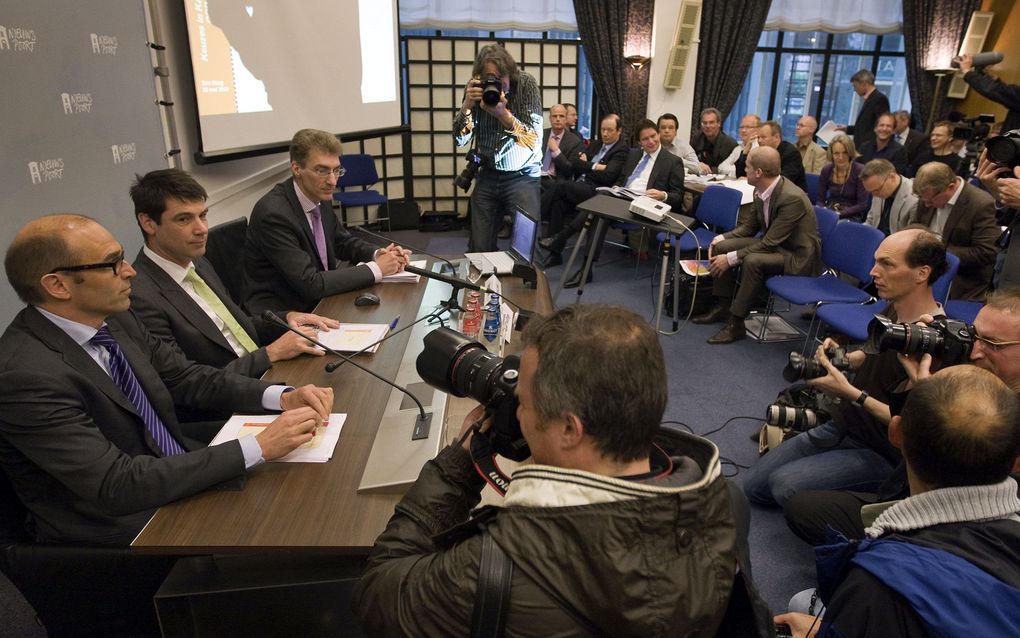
[[88, 433], [295, 243], [620, 527]]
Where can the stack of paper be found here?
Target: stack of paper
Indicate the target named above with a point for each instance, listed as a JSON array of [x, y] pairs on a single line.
[[404, 277], [318, 450], [355, 337]]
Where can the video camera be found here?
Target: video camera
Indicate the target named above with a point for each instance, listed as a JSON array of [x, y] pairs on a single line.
[[971, 129], [947, 340], [463, 367]]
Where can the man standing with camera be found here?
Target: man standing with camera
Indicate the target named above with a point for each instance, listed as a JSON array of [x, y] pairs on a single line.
[[620, 527], [852, 451], [502, 115], [1003, 182]]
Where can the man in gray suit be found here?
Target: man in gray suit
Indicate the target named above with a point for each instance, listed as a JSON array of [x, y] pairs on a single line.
[[789, 245], [88, 434], [964, 217], [179, 295], [892, 196]]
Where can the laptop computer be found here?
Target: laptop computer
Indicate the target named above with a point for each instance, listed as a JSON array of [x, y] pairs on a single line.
[[522, 248]]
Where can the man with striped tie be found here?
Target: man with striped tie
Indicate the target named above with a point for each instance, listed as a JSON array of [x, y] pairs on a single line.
[[88, 433]]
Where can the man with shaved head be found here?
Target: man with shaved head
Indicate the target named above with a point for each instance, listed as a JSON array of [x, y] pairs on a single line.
[[812, 156], [789, 244]]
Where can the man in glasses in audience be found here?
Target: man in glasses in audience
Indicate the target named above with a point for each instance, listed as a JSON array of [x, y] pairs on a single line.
[[295, 243]]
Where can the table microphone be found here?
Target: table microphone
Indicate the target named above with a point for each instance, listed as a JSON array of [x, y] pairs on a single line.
[[333, 365], [422, 421], [405, 245]]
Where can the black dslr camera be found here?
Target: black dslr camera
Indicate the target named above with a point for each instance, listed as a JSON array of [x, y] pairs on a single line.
[[475, 160], [947, 340], [463, 367], [1004, 149], [492, 89], [803, 368]]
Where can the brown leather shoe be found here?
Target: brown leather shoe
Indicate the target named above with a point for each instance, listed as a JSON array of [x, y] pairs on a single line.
[[715, 315], [733, 331]]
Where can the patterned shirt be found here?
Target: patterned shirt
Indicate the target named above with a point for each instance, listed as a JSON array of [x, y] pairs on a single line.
[[517, 149]]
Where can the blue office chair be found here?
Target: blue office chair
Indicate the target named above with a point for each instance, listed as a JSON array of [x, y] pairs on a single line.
[[813, 180], [852, 319], [360, 172], [827, 220], [717, 209], [963, 310]]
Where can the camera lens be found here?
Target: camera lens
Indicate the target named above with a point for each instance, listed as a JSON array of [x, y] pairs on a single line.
[[1004, 150], [787, 416], [492, 89]]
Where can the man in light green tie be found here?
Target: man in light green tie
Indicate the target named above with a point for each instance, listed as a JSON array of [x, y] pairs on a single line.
[[181, 298]]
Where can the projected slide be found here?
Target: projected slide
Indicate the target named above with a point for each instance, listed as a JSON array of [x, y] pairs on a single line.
[[263, 69]]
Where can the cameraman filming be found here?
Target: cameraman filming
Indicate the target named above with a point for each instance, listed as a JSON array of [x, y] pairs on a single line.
[[852, 451], [502, 113], [994, 89], [621, 527]]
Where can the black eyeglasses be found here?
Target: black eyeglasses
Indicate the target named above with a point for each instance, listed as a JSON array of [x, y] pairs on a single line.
[[112, 265]]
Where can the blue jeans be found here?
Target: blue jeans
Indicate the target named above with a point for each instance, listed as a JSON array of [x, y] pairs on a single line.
[[496, 194], [798, 465]]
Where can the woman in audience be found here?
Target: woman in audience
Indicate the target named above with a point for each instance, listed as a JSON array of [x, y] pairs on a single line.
[[940, 149], [839, 184]]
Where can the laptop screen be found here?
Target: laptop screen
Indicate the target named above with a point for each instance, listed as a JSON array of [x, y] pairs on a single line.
[[522, 244]]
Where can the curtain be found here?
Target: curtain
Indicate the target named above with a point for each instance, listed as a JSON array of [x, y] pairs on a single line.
[[932, 33], [621, 88], [846, 16], [729, 37], [526, 15]]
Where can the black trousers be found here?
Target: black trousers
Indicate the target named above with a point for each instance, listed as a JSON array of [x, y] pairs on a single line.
[[810, 514]]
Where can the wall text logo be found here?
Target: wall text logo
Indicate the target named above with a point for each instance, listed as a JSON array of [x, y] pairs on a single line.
[[46, 170], [17, 39], [103, 44], [123, 152], [76, 103]]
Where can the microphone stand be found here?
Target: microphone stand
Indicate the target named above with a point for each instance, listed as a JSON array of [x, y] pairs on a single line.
[[333, 365], [422, 423]]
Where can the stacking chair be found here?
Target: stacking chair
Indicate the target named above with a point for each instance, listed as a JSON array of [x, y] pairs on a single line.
[[360, 172], [225, 251], [852, 319], [827, 220], [963, 310], [813, 180], [849, 249], [717, 210]]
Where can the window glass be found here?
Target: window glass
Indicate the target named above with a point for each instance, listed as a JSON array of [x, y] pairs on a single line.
[[754, 98]]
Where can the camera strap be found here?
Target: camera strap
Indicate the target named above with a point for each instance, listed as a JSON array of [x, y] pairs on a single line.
[[484, 460], [492, 594]]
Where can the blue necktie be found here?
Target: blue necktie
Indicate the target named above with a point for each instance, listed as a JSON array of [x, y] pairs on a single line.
[[600, 154], [637, 170], [125, 379]]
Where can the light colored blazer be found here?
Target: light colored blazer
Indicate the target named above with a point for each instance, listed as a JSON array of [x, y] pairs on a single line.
[[904, 203]]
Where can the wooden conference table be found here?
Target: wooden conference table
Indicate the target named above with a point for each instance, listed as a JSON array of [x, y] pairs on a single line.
[[316, 507]]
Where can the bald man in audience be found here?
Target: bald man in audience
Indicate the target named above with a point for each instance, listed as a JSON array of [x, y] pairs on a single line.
[[812, 156]]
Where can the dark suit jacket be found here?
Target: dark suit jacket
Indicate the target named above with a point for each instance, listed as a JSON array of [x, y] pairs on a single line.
[[916, 142], [892, 152], [667, 175], [613, 161], [75, 448], [792, 230], [863, 129], [793, 165], [570, 147], [713, 153], [281, 265], [970, 233], [170, 314]]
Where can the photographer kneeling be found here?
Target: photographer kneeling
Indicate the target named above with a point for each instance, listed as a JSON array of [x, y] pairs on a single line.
[[621, 526], [852, 451]]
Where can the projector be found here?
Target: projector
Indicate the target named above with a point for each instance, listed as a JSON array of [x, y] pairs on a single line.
[[649, 208]]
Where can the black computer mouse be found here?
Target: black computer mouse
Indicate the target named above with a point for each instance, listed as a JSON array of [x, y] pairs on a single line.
[[366, 299]]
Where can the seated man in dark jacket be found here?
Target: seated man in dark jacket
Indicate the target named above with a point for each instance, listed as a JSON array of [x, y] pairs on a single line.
[[954, 543], [620, 527]]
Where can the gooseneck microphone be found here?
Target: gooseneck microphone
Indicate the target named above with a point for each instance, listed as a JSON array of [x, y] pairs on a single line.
[[423, 420], [333, 365], [405, 245]]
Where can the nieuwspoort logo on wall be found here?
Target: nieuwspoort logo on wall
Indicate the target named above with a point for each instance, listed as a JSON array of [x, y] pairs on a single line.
[[75, 103], [103, 44], [46, 170], [17, 39], [123, 152]]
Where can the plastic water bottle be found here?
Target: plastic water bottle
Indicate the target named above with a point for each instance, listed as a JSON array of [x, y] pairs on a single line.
[[491, 330]]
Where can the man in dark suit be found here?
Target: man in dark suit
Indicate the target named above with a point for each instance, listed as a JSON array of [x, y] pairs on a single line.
[[295, 242], [789, 245], [180, 298], [710, 143], [792, 166], [964, 216], [88, 434], [607, 157], [651, 171], [875, 103], [912, 140], [561, 147], [883, 145]]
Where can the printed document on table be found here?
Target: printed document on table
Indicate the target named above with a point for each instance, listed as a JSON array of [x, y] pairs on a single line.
[[620, 191], [354, 337], [318, 450], [404, 277]]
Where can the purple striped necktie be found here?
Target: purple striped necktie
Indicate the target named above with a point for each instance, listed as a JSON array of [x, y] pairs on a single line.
[[320, 236], [125, 379]]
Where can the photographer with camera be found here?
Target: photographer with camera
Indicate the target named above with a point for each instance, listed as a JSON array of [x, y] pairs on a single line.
[[621, 527], [502, 115], [990, 86], [999, 172], [995, 339], [852, 450]]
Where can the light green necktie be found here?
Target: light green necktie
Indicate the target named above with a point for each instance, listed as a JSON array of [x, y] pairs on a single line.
[[206, 293]]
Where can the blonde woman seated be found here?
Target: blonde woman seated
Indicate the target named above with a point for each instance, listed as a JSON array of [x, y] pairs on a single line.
[[839, 184], [941, 149]]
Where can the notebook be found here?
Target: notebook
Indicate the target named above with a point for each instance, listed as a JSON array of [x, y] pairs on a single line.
[[522, 248]]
